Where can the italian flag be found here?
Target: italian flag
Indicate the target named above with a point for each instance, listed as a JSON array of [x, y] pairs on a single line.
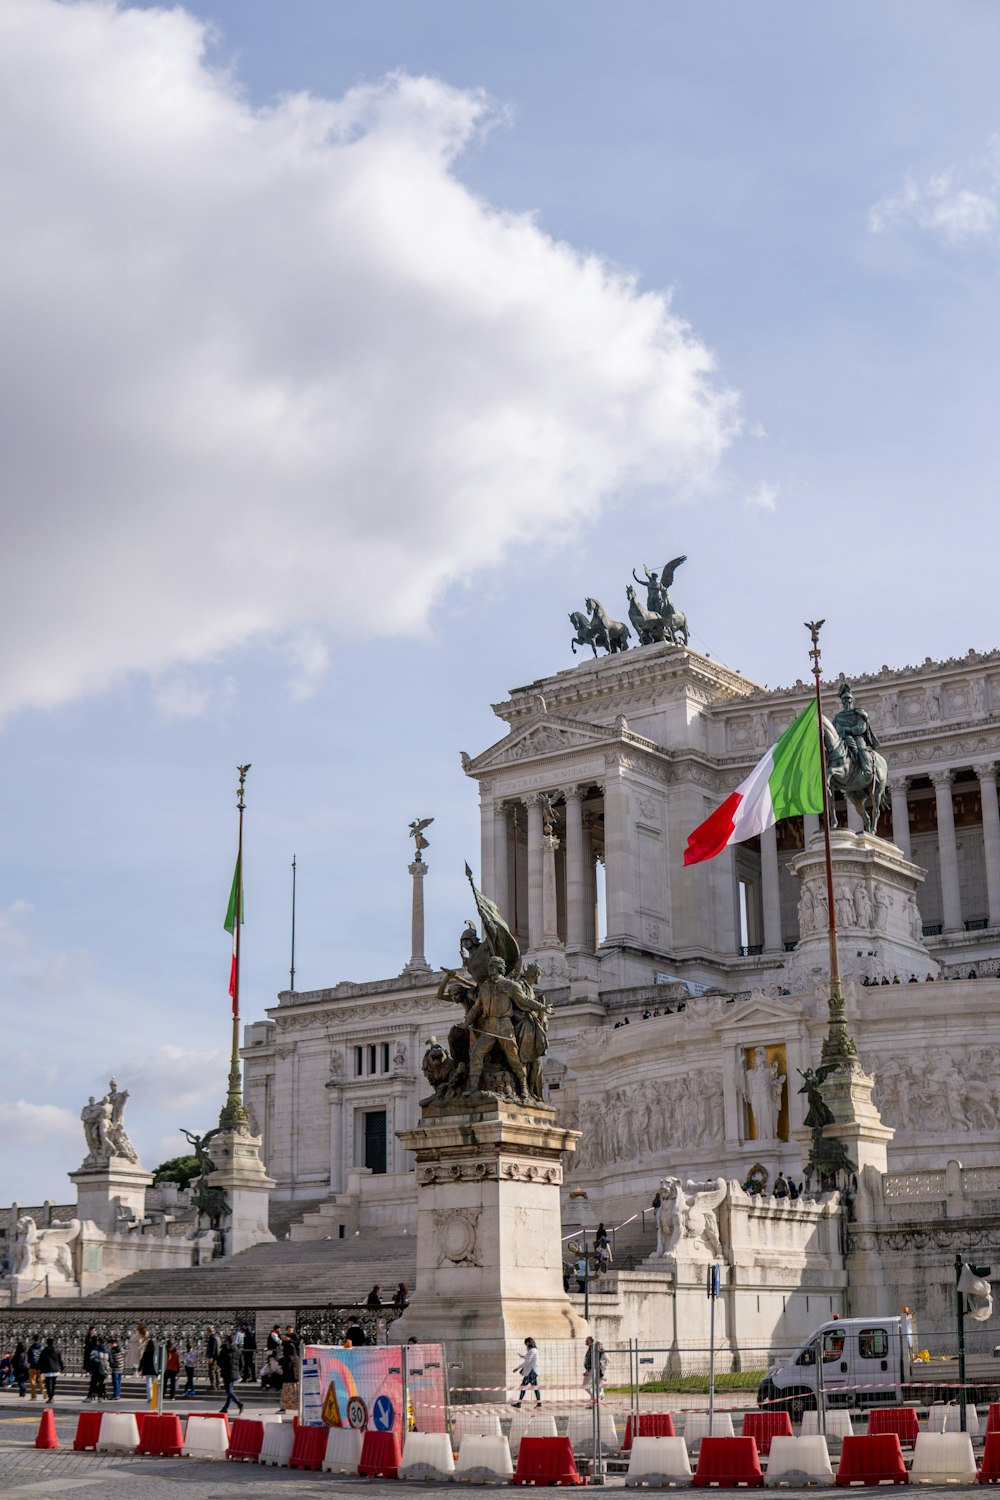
[[786, 782], [234, 909]]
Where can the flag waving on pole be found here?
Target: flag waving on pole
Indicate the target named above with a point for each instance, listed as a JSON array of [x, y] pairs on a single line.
[[234, 915], [786, 782]]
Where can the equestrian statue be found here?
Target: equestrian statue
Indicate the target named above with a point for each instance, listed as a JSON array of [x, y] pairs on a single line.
[[853, 763]]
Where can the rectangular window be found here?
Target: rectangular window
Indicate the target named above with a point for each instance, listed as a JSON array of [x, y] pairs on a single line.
[[359, 1061], [371, 1058], [873, 1343], [385, 1057], [375, 1140]]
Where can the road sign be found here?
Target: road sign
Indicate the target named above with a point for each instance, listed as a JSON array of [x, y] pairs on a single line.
[[357, 1413], [383, 1414]]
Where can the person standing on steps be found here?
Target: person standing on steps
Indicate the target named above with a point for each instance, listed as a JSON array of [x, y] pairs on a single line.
[[189, 1361], [50, 1363], [147, 1366], [212, 1356], [528, 1371], [227, 1372]]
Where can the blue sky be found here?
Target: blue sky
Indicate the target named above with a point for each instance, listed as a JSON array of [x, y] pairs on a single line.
[[352, 345]]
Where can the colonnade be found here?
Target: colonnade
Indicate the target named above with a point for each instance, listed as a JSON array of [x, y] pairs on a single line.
[[578, 863]]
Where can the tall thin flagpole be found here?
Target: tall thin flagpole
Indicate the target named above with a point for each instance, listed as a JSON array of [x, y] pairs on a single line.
[[291, 977], [234, 1115], [838, 1046]]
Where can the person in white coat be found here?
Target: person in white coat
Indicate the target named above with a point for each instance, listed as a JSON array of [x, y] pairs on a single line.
[[528, 1371]]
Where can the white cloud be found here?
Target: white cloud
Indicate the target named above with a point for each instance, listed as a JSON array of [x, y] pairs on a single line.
[[763, 497], [15, 941], [177, 1077], [183, 695], [961, 205], [22, 1122], [267, 372]]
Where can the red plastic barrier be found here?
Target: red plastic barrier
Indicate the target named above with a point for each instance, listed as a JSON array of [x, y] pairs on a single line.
[[381, 1456], [902, 1420], [47, 1437], [728, 1461], [309, 1447], [762, 1426], [989, 1471], [546, 1460], [88, 1430], [872, 1460], [140, 1418], [993, 1420], [648, 1424], [246, 1438], [161, 1435]]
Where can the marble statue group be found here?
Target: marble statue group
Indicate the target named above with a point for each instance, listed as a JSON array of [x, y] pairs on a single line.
[[104, 1128], [497, 1047]]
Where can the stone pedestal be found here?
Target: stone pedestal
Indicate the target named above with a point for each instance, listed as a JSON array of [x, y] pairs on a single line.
[[98, 1188], [240, 1173], [489, 1253], [856, 1121], [879, 926]]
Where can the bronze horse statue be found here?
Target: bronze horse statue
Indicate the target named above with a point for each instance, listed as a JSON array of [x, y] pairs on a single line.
[[843, 774]]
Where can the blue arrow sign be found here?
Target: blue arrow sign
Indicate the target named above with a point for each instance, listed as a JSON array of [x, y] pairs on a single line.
[[383, 1414]]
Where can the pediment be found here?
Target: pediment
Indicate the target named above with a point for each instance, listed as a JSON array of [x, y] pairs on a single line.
[[759, 1010], [544, 737]]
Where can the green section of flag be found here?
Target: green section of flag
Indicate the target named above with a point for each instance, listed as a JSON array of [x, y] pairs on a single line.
[[796, 779], [235, 895]]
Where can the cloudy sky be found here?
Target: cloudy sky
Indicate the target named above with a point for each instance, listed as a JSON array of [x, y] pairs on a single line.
[[348, 346]]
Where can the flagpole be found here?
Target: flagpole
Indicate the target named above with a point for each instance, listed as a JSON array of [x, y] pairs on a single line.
[[291, 977], [234, 1115], [838, 1047]]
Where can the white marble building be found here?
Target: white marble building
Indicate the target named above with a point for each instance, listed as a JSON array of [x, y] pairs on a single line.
[[636, 749]]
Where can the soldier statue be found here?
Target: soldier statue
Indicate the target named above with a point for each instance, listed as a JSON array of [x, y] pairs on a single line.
[[854, 727]]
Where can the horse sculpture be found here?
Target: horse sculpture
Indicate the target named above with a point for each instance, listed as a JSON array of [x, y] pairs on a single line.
[[658, 606], [613, 635], [867, 793], [649, 624]]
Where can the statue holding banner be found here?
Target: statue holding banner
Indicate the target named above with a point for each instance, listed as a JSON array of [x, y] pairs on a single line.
[[495, 1050]]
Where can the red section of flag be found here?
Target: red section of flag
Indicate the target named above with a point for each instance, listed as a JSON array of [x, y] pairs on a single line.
[[232, 983], [712, 836]]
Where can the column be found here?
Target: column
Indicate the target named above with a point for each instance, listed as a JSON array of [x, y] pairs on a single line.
[[576, 927], [987, 774], [418, 963], [947, 852], [535, 874], [770, 893], [589, 886], [900, 814], [487, 857], [619, 884], [503, 858], [810, 825], [550, 909]]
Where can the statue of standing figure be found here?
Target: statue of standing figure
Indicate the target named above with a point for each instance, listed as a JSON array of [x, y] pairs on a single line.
[[104, 1128], [761, 1090]]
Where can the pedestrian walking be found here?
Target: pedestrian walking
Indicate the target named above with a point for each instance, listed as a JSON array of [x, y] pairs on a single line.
[[89, 1344], [99, 1369], [171, 1370], [595, 1365], [401, 1297], [115, 1368], [19, 1368], [528, 1371], [189, 1362], [34, 1373], [249, 1370], [147, 1366], [374, 1297], [50, 1362], [227, 1366], [212, 1356]]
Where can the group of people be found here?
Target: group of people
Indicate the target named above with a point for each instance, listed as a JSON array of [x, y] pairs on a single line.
[[595, 1368], [282, 1365], [651, 1015], [33, 1367]]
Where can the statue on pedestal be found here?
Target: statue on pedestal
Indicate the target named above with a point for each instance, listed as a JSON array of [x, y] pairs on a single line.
[[44, 1252], [761, 1090], [687, 1222], [104, 1128], [210, 1201], [853, 763], [496, 1049]]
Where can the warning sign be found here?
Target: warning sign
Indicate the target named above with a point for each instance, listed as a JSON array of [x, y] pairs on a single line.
[[357, 1413], [331, 1407]]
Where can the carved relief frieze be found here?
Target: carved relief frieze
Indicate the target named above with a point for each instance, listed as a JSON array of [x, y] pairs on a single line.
[[642, 1119], [949, 1090], [458, 1236]]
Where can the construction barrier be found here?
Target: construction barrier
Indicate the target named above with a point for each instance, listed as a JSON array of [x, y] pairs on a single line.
[[942, 1418], [902, 1420], [989, 1469], [427, 1455], [309, 1448], [161, 1435], [696, 1427], [648, 1424], [943, 1458], [837, 1422], [47, 1437], [206, 1437], [380, 1456], [546, 1460], [246, 1438], [472, 1421], [764, 1426], [279, 1440], [728, 1462], [88, 1431], [798, 1460], [343, 1451], [119, 1433], [993, 1418], [658, 1462], [872, 1460], [580, 1431], [531, 1423], [484, 1458]]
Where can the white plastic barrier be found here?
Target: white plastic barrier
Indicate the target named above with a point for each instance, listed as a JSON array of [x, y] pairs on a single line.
[[343, 1451], [279, 1440], [526, 1423], [484, 1458], [205, 1437], [474, 1421], [658, 1461], [580, 1431], [943, 1458], [941, 1418], [838, 1424], [119, 1432], [427, 1455], [696, 1427], [799, 1460]]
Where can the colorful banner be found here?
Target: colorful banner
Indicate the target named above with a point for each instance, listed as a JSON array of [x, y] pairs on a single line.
[[363, 1387]]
